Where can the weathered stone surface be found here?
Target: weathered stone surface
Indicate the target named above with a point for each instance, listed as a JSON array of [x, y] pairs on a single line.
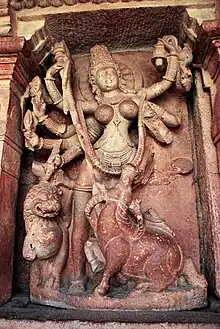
[[117, 29], [22, 4], [172, 167], [9, 122], [217, 9], [8, 196], [5, 21], [207, 182], [15, 324], [208, 40], [10, 158], [10, 151]]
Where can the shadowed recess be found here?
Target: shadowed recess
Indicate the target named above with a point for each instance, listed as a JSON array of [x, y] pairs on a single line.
[[117, 29]]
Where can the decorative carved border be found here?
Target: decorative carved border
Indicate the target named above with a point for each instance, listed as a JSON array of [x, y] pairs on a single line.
[[28, 4]]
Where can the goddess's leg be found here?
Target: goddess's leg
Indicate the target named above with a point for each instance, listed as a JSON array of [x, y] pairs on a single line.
[[79, 231]]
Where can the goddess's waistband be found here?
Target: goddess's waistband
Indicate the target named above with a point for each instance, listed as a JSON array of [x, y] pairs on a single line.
[[116, 159], [109, 160]]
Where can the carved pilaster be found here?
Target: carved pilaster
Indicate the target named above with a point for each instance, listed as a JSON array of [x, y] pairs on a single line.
[[13, 81], [207, 48], [207, 56], [209, 38]]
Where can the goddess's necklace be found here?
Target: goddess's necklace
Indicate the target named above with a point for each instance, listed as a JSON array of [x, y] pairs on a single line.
[[112, 100]]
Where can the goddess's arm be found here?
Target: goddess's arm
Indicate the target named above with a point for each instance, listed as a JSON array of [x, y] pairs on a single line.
[[87, 106], [63, 130], [156, 118], [39, 99], [52, 89], [158, 121], [169, 119], [67, 133], [71, 146], [159, 88], [60, 129]]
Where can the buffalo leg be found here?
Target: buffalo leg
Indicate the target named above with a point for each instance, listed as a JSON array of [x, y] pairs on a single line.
[[116, 255]]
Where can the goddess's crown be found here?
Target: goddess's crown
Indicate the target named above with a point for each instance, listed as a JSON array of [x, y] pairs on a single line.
[[100, 58]]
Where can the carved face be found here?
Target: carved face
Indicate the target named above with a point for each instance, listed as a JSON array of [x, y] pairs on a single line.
[[107, 79], [43, 200], [41, 209], [47, 206], [186, 82]]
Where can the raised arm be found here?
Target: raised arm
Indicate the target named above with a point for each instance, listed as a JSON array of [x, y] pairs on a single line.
[[37, 93], [159, 88], [50, 82], [72, 145], [60, 55]]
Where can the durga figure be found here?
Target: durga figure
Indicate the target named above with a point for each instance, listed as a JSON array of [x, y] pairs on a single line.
[[113, 163]]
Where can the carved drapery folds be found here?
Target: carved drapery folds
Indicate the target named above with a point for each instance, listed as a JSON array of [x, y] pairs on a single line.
[[99, 231]]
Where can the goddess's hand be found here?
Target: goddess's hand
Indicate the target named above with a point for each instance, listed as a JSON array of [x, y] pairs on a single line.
[[39, 105], [56, 160], [39, 108], [31, 139], [169, 46]]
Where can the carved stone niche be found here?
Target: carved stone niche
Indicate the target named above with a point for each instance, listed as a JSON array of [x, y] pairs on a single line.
[[112, 210]]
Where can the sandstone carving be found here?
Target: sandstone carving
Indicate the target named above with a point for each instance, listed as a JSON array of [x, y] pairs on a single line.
[[100, 129]]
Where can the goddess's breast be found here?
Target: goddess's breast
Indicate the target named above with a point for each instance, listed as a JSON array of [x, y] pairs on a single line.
[[104, 114], [127, 109]]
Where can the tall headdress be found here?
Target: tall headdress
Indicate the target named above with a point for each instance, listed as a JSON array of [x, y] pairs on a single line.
[[100, 58]]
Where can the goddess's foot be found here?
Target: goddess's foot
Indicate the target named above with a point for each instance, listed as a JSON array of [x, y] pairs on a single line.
[[77, 287]]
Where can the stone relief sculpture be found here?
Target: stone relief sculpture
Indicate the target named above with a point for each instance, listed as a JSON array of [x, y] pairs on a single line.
[[148, 255], [47, 234], [90, 242]]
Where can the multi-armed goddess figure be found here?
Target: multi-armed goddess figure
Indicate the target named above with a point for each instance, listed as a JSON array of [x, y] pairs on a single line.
[[100, 129]]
